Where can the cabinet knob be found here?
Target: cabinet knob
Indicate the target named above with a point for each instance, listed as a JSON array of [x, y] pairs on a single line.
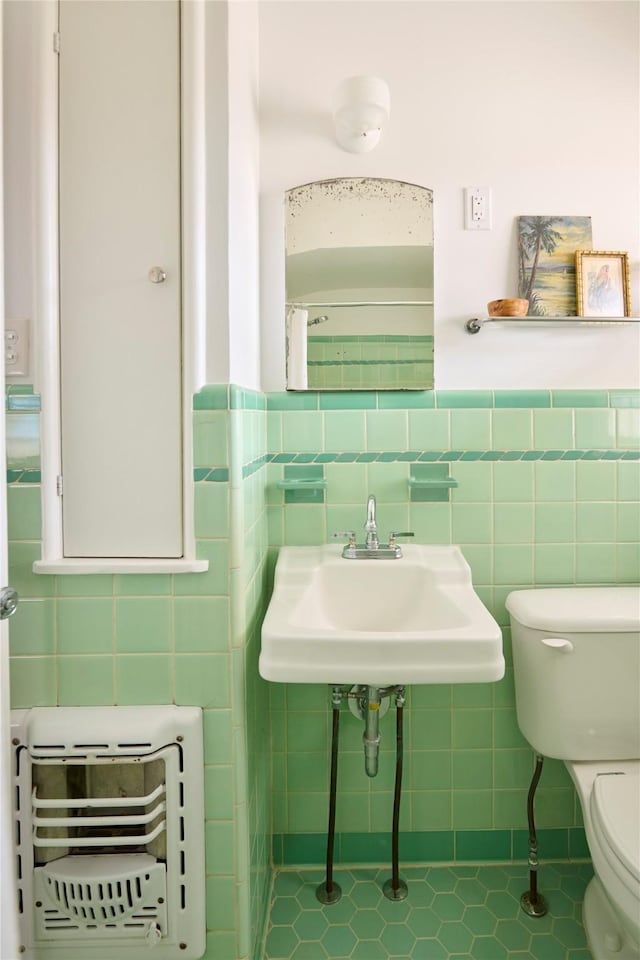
[[157, 275]]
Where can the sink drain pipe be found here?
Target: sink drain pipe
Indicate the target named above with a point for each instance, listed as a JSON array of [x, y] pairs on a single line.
[[371, 735], [365, 702], [329, 891], [532, 902], [395, 888]]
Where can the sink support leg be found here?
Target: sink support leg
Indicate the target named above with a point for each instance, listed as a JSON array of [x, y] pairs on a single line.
[[395, 888], [329, 892], [532, 902]]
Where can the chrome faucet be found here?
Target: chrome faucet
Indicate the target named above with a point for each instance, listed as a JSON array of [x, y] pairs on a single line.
[[371, 528], [371, 549]]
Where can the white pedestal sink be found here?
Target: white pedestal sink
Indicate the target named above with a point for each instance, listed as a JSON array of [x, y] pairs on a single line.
[[411, 620]]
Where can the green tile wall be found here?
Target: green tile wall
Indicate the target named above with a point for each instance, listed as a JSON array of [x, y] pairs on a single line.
[[549, 494], [188, 639]]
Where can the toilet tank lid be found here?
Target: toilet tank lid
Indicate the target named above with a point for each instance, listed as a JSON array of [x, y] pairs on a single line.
[[577, 609]]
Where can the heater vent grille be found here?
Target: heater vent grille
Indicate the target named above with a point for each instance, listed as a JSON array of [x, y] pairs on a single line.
[[117, 894], [110, 832], [99, 821]]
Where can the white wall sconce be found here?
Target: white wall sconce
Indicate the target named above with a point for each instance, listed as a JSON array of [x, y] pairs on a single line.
[[361, 108]]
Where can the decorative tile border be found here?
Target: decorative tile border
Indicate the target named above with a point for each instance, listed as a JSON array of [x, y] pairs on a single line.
[[436, 846], [232, 397], [211, 474], [26, 475], [451, 399], [249, 469], [221, 474], [449, 456]]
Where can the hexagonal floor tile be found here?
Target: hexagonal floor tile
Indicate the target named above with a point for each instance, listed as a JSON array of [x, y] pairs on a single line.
[[470, 891], [281, 942], [285, 910], [455, 937], [451, 913], [340, 912], [442, 879], [544, 946], [344, 879], [369, 950], [513, 935], [493, 878], [367, 924], [309, 951], [479, 921], [488, 948], [447, 906], [287, 883], [424, 922], [310, 925], [398, 939], [306, 897], [366, 894], [394, 911], [502, 905], [339, 941], [420, 893], [429, 949], [570, 933]]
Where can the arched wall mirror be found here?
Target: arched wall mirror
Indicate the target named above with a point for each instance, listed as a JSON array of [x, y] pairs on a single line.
[[359, 285]]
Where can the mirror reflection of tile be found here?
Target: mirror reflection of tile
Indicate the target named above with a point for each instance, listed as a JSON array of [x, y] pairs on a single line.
[[359, 279]]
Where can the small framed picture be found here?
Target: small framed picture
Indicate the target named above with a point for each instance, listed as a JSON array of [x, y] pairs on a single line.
[[602, 283]]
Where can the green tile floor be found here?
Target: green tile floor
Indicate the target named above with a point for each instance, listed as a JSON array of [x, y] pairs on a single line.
[[451, 913]]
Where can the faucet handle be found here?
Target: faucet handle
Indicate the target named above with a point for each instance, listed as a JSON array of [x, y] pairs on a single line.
[[349, 535], [393, 536]]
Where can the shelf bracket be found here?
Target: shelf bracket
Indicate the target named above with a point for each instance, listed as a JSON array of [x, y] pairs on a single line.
[[473, 326]]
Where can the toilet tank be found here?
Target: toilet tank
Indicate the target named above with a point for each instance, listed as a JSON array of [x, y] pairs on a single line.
[[576, 658]]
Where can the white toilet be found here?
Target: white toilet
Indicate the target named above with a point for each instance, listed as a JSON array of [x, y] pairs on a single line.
[[576, 657]]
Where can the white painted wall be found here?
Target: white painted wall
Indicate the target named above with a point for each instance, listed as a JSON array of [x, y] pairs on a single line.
[[18, 157], [216, 177], [244, 254], [538, 100]]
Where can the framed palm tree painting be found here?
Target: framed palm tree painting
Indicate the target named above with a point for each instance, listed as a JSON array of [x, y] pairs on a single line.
[[546, 262]]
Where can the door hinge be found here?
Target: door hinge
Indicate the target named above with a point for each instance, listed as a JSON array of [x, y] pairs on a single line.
[[59, 485], [56, 42]]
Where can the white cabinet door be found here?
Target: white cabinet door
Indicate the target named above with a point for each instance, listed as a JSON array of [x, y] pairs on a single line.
[[120, 336]]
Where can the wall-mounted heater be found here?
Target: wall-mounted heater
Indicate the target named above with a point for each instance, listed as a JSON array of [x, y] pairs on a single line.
[[109, 832]]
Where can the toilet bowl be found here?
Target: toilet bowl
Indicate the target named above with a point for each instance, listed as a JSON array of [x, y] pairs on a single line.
[[576, 655], [610, 798]]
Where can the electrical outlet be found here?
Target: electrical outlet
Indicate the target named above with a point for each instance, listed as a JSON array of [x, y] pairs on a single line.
[[477, 208], [16, 348]]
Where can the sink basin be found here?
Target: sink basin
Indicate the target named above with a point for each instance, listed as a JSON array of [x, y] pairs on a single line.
[[412, 620]]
